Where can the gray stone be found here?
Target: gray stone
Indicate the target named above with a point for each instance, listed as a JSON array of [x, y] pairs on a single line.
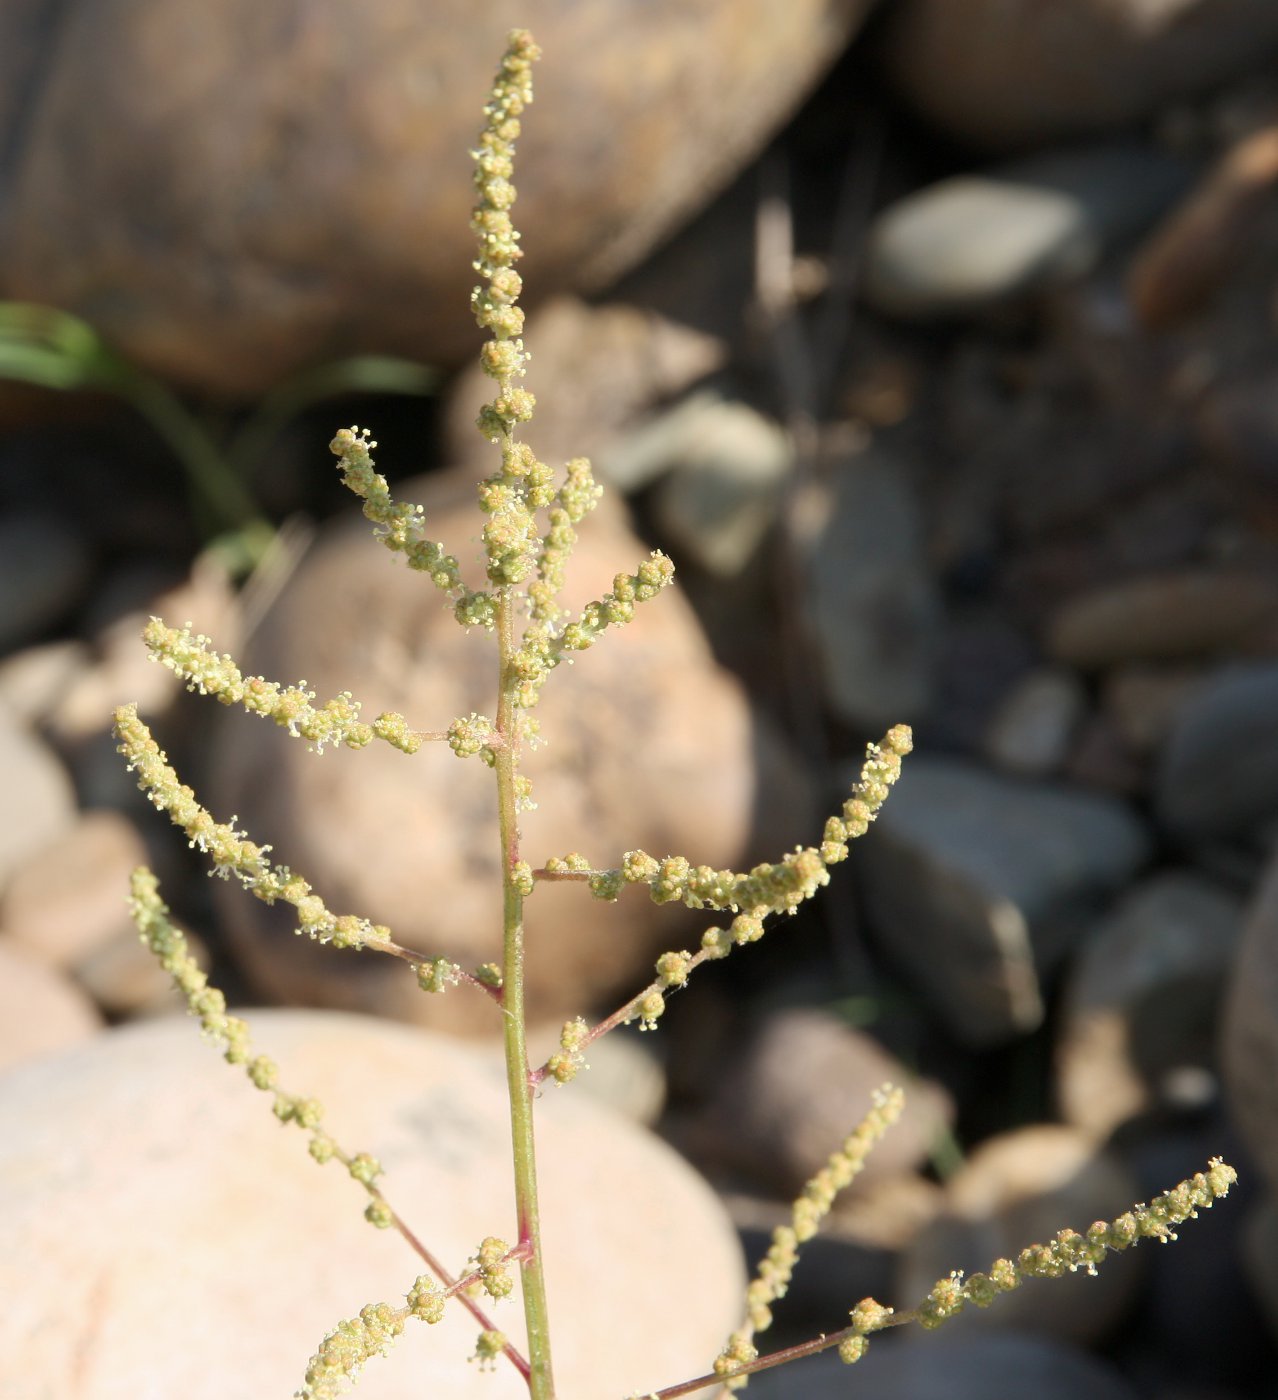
[[1031, 730], [141, 1171], [1218, 774], [972, 242], [871, 602], [974, 884], [726, 468], [1139, 1019], [44, 567], [950, 1367]]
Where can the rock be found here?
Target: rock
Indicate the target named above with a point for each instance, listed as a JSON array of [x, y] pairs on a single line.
[[1101, 759], [784, 1131], [1260, 1258], [980, 657], [141, 1165], [614, 362], [1019, 1189], [1171, 616], [1249, 1030], [1031, 730], [727, 468], [1011, 73], [124, 978], [973, 242], [308, 184], [1237, 424], [40, 1010], [951, 1366], [974, 882], [1195, 251], [36, 801], [70, 897], [870, 601], [650, 744], [123, 672], [33, 681], [44, 567], [1218, 775], [1144, 700], [1140, 1013]]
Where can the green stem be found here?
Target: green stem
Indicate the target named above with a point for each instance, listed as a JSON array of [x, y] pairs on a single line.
[[518, 1078]]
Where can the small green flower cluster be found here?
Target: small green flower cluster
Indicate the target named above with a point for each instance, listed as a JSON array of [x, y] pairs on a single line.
[[190, 655], [401, 528], [567, 1062], [347, 1347], [491, 1263], [343, 1352], [813, 1204]]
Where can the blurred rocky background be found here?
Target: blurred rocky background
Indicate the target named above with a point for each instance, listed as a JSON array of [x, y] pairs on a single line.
[[937, 341]]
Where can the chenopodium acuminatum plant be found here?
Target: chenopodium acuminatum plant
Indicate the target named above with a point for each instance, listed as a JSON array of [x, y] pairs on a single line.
[[531, 516]]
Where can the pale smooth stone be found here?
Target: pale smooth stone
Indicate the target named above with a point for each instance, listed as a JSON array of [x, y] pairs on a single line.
[[41, 1012], [165, 1236]]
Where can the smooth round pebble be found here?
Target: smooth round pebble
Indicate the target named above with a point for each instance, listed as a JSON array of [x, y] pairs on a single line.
[[166, 1236]]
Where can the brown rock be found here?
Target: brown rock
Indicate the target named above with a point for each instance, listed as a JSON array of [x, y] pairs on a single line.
[[1162, 617], [650, 744], [240, 192], [141, 1174], [1018, 73], [1196, 250], [40, 1011], [70, 898], [802, 1086]]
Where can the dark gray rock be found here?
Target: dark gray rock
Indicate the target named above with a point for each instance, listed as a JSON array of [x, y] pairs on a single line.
[[1139, 1022], [871, 602], [1218, 777], [975, 883], [950, 1366]]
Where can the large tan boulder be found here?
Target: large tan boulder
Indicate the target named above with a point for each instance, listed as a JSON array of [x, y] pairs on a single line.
[[239, 190]]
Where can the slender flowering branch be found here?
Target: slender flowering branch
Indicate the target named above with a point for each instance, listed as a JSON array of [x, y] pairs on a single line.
[[1067, 1253], [232, 853], [191, 656], [767, 889], [530, 528]]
